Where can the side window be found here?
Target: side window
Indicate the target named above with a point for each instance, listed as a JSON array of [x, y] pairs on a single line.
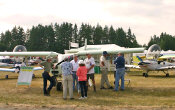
[[3, 60]]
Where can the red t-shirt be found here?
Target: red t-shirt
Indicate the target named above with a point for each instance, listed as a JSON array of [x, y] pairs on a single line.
[[82, 73]]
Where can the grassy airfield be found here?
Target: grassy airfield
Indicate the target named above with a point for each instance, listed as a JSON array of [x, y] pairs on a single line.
[[156, 91]]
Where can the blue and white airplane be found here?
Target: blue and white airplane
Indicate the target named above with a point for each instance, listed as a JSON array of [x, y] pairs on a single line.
[[153, 64]]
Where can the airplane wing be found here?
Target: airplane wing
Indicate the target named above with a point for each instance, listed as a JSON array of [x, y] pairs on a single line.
[[132, 66], [167, 56], [166, 67], [126, 50], [16, 70], [5, 64], [7, 69], [28, 54], [37, 68]]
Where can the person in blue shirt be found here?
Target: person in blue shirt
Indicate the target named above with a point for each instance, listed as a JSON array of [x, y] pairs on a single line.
[[66, 68], [120, 71]]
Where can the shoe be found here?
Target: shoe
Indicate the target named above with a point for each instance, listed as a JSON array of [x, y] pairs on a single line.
[[111, 87], [48, 92], [122, 89], [64, 98], [115, 90], [71, 98], [102, 88], [85, 97], [81, 98], [46, 95], [78, 91], [94, 89]]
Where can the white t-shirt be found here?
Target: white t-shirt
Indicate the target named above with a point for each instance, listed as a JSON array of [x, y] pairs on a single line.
[[89, 63], [75, 65], [103, 59]]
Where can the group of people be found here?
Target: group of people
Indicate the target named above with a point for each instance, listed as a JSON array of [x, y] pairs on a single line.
[[77, 73]]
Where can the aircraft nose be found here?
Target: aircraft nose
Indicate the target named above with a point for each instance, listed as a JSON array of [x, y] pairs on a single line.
[[140, 63], [143, 63]]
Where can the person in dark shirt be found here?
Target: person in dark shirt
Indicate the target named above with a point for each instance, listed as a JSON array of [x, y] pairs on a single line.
[[47, 65], [120, 71]]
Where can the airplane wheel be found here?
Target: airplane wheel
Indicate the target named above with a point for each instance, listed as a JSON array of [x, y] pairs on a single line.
[[33, 76], [6, 76], [146, 75], [59, 86], [54, 80], [167, 75], [18, 68]]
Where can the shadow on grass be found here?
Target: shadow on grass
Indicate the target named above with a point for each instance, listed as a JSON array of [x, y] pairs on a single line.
[[153, 76], [9, 78], [149, 91]]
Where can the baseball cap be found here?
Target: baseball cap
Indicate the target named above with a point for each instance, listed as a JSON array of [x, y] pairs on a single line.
[[48, 57], [105, 52], [81, 62]]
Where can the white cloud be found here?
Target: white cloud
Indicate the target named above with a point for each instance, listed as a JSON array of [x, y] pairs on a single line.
[[144, 17]]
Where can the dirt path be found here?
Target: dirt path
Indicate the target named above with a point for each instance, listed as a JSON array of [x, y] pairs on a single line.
[[75, 107]]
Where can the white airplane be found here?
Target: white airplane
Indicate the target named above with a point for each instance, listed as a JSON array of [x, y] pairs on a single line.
[[20, 52], [153, 64], [6, 62]]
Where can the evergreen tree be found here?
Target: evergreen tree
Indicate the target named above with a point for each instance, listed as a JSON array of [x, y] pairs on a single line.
[[105, 37], [75, 34], [98, 34], [50, 38], [112, 36], [85, 32], [121, 38], [37, 40], [64, 36], [6, 41]]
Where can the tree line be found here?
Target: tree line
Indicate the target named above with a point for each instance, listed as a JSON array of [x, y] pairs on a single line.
[[165, 41], [56, 37]]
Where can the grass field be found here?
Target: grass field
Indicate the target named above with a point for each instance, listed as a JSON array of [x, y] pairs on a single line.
[[154, 91]]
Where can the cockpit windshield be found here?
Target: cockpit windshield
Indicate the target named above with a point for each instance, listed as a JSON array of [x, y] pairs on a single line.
[[19, 48], [153, 52]]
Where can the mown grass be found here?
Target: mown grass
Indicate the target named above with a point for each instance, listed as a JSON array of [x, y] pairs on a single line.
[[156, 90]]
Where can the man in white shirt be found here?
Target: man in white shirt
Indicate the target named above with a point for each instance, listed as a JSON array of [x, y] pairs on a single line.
[[90, 63], [75, 66], [104, 71]]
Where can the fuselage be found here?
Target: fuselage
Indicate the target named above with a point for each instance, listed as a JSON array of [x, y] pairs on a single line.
[[153, 65]]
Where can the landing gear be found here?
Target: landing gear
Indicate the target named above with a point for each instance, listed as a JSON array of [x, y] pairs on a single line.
[[57, 82], [167, 75], [33, 76], [6, 76], [59, 86], [145, 74]]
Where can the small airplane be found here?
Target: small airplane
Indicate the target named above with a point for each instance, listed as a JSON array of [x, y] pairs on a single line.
[[153, 64], [6, 62], [20, 53]]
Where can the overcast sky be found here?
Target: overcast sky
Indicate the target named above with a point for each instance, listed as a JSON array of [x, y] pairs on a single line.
[[145, 17]]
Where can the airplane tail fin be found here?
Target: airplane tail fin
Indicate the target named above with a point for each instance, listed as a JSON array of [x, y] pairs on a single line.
[[136, 60], [139, 58]]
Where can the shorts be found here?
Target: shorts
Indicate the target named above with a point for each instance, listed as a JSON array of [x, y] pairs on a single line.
[[91, 76]]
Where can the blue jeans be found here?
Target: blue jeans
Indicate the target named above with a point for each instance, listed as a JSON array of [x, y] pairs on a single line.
[[120, 73], [75, 78], [83, 88], [46, 77]]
